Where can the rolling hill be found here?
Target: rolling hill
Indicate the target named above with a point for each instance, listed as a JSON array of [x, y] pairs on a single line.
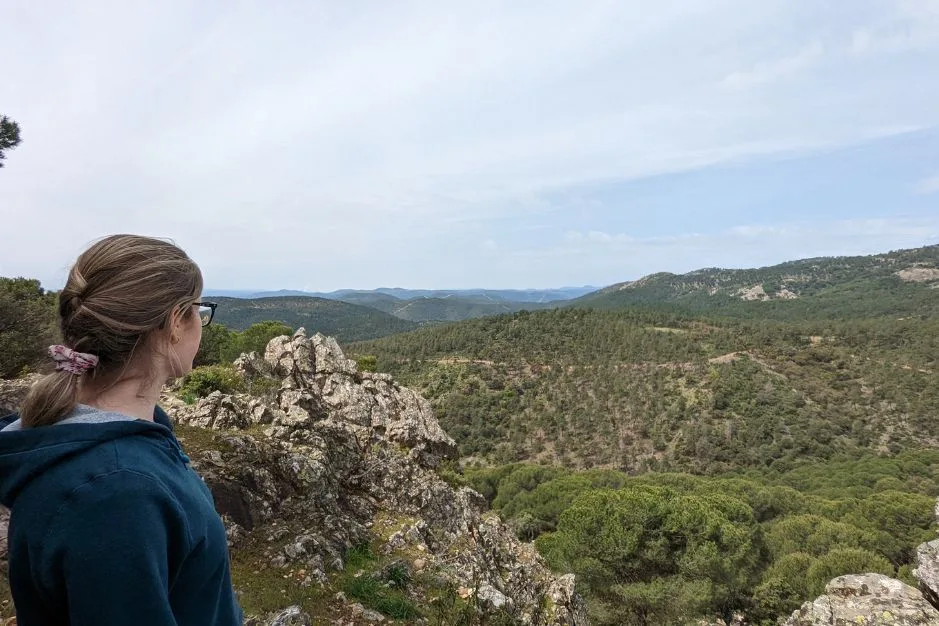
[[431, 306], [345, 321], [510, 295], [655, 391], [903, 282], [444, 309]]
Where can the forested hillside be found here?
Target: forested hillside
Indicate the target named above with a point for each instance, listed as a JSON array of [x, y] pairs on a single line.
[[642, 390], [447, 309], [896, 283], [665, 548], [432, 306], [346, 322]]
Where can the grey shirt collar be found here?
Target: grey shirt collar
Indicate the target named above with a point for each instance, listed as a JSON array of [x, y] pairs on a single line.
[[81, 414]]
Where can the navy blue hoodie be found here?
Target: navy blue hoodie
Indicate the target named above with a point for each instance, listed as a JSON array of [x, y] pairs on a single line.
[[110, 526]]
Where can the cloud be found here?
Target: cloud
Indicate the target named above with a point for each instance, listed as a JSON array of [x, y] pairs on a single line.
[[904, 27], [770, 71], [618, 257], [927, 185]]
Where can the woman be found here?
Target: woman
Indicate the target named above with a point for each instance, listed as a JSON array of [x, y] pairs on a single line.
[[109, 525]]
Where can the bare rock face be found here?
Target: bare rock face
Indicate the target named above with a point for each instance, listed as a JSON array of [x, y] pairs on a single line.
[[927, 570], [252, 366], [347, 458], [319, 381], [867, 600], [217, 411]]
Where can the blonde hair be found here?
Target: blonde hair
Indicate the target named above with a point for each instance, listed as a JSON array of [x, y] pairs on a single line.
[[120, 290]]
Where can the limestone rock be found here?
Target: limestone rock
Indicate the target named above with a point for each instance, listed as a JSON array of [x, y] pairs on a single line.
[[867, 600], [317, 381], [367, 615], [218, 410], [398, 414], [927, 570], [493, 598], [291, 356], [291, 616], [329, 357], [325, 493], [252, 366]]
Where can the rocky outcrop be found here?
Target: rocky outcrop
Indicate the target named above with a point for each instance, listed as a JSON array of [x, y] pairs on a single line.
[[336, 458], [919, 274], [867, 600], [757, 292], [927, 570], [318, 382], [223, 411]]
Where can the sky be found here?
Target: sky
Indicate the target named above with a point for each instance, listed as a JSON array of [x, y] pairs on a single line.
[[527, 144]]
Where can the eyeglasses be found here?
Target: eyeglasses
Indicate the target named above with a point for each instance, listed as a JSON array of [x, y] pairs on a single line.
[[206, 311]]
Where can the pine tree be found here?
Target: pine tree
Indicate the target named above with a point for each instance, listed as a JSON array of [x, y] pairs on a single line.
[[9, 135]]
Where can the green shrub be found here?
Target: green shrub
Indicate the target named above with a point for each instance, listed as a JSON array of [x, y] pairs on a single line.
[[844, 561], [215, 340], [27, 325], [367, 363], [451, 474], [202, 381], [252, 339], [660, 556], [381, 590]]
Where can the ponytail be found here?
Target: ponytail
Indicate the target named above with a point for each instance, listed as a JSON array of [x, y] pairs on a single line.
[[50, 399]]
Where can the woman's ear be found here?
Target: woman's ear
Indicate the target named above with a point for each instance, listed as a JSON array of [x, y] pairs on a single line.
[[174, 324]]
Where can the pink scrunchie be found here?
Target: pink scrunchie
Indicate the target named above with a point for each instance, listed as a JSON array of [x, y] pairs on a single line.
[[71, 361]]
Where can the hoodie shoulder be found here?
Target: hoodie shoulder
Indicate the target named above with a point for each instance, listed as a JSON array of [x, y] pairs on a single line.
[[160, 417]]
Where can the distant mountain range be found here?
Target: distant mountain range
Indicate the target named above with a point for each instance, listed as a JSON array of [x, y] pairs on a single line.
[[425, 305]]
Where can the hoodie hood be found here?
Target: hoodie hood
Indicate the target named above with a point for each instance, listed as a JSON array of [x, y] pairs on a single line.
[[27, 453]]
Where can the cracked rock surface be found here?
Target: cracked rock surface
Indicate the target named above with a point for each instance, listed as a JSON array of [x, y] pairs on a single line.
[[867, 600]]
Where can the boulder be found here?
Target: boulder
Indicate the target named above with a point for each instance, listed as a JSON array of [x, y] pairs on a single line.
[[218, 411], [927, 570], [867, 600], [291, 616], [252, 366], [291, 357]]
